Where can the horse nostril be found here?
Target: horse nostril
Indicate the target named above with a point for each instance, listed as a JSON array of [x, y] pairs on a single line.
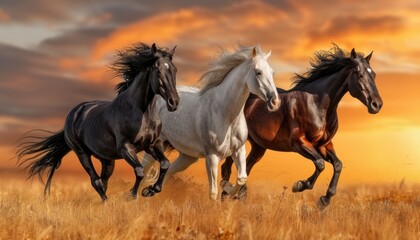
[[171, 102], [374, 105], [275, 102]]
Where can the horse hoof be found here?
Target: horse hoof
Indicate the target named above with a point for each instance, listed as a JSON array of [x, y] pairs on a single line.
[[132, 194], [297, 186], [322, 203], [148, 192], [224, 196], [242, 199], [241, 181], [129, 196], [242, 195], [227, 187]]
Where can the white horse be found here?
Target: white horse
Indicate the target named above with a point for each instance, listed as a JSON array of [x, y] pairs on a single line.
[[210, 122]]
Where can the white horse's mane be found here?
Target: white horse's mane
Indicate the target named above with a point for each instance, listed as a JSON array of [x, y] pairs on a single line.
[[220, 67]]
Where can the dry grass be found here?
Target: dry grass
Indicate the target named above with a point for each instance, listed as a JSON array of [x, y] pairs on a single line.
[[183, 211]]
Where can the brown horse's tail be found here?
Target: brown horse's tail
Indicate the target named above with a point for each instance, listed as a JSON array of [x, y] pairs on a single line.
[[42, 154]]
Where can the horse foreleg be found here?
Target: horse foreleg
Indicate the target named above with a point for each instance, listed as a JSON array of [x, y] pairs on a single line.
[[106, 172], [158, 154], [212, 162], [226, 170], [128, 152], [239, 157], [306, 149], [255, 155], [337, 165]]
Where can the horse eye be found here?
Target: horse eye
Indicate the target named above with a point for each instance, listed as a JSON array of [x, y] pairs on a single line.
[[258, 72]]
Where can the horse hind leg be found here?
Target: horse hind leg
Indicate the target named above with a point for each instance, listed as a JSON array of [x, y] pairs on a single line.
[[181, 164], [97, 184], [107, 170]]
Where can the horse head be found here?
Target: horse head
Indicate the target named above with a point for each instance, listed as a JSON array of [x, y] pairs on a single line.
[[163, 73], [361, 82], [262, 84]]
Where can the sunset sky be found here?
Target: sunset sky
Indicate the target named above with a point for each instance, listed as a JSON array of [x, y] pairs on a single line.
[[55, 55]]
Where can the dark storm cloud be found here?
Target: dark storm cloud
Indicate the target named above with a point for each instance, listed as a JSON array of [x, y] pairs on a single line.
[[77, 42], [122, 11], [33, 89], [50, 11], [338, 26], [32, 86]]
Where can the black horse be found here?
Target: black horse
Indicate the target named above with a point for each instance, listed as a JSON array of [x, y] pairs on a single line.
[[116, 129]]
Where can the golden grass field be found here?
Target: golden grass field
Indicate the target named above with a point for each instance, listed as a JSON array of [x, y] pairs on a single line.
[[184, 211]]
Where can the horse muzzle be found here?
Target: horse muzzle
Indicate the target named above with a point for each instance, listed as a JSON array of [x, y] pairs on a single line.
[[375, 105], [172, 103], [273, 104]]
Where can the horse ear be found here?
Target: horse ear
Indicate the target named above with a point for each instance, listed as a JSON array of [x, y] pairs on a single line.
[[154, 49], [353, 54], [172, 51], [254, 52], [268, 55], [369, 57]]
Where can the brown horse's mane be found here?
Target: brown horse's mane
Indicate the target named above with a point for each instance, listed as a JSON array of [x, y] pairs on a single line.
[[323, 64]]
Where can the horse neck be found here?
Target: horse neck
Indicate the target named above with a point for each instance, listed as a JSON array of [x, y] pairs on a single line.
[[330, 89], [139, 93], [231, 94]]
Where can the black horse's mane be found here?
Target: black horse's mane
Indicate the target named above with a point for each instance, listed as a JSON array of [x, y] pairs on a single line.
[[323, 64], [133, 60]]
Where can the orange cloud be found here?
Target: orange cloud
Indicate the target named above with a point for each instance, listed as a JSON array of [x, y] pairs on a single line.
[[161, 28], [199, 33], [69, 63], [367, 26], [4, 17]]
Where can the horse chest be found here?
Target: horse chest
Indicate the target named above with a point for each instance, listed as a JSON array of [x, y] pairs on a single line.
[[230, 140], [149, 130]]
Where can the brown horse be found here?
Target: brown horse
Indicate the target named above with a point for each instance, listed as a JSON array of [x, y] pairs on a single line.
[[307, 119]]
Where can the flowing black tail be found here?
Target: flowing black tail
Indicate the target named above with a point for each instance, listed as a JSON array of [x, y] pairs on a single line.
[[43, 153]]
